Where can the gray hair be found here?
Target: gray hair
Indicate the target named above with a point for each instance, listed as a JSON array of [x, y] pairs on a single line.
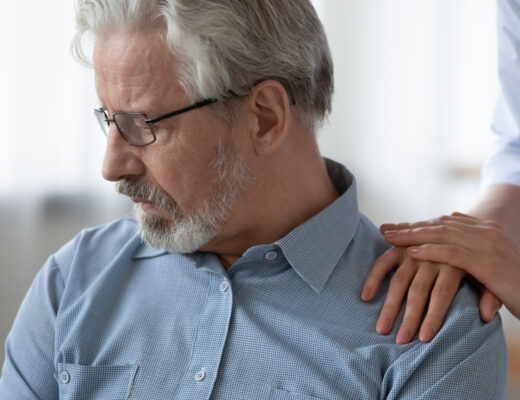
[[229, 45]]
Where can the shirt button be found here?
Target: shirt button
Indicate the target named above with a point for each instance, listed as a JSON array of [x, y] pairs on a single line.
[[64, 377], [224, 286], [272, 255], [200, 376]]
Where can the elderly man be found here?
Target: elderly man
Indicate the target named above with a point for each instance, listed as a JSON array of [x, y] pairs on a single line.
[[241, 277]]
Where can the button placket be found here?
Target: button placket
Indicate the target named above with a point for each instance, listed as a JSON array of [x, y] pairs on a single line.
[[209, 341]]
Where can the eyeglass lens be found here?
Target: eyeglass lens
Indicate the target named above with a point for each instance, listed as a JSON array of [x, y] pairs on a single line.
[[102, 119], [132, 126]]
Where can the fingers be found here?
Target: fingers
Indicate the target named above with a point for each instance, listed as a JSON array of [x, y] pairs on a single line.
[[497, 270], [399, 285], [453, 232], [456, 256], [455, 217], [479, 247], [416, 301], [489, 305], [383, 265], [445, 289], [479, 234], [453, 255]]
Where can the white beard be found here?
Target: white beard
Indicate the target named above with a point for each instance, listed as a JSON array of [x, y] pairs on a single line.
[[186, 233]]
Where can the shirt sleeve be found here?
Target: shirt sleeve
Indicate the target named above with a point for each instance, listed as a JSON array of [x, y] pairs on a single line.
[[466, 360], [503, 167], [28, 370]]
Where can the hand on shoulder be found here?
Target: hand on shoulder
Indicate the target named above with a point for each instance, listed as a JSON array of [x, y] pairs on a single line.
[[432, 257]]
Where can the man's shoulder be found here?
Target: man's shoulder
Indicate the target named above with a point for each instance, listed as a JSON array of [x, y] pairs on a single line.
[[96, 246], [366, 246], [368, 233], [97, 238], [118, 231], [466, 359]]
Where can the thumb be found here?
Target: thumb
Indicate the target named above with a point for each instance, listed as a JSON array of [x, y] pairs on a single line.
[[489, 305]]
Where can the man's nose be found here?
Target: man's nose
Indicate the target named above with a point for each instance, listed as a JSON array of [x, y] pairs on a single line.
[[121, 160]]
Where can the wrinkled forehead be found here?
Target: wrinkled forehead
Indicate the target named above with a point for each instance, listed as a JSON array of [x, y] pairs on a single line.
[[132, 52], [130, 65]]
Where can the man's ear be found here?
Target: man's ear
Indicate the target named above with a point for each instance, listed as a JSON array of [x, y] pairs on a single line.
[[269, 107]]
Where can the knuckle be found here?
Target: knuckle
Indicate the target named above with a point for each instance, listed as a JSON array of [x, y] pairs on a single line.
[[414, 307], [420, 290], [444, 291], [399, 279], [417, 300], [441, 229]]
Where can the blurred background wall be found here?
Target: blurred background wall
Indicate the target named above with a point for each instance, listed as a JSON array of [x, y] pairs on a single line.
[[416, 84]]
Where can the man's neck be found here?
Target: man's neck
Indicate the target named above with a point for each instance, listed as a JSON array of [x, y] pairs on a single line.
[[299, 193]]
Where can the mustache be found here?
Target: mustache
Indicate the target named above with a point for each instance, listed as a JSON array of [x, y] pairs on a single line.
[[140, 189]]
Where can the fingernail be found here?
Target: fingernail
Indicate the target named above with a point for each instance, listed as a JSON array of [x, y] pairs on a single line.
[[366, 293], [383, 325], [403, 336], [386, 227], [427, 334], [413, 250]]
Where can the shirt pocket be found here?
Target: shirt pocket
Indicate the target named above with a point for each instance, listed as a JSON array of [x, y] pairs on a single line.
[[107, 382], [280, 394]]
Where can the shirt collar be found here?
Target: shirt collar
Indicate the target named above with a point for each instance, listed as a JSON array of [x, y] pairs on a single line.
[[314, 248]]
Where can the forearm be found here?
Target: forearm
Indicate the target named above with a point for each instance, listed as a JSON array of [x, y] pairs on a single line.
[[501, 203]]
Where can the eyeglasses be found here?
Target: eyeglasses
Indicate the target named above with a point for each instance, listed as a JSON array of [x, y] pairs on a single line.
[[135, 127]]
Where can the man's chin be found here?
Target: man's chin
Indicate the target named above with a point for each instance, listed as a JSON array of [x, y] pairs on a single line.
[[174, 237], [178, 243]]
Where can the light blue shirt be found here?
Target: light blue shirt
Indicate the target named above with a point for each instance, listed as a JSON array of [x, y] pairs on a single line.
[[504, 165], [109, 317]]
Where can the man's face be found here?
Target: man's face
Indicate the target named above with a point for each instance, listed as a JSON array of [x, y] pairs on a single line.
[[186, 184]]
